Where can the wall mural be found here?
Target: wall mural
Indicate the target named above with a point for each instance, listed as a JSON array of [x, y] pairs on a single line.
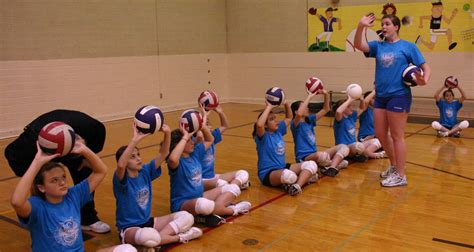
[[437, 26]]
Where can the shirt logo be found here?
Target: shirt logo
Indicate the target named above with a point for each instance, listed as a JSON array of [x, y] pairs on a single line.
[[143, 196], [280, 150], [449, 112], [67, 232], [196, 178], [387, 59]]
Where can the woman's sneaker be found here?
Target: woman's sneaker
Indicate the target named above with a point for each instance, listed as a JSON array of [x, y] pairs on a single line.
[[191, 234], [394, 180], [390, 170], [242, 207], [99, 227], [343, 164], [313, 179], [212, 220], [294, 189]]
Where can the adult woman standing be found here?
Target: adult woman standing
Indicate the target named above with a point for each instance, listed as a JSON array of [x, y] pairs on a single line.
[[393, 99]]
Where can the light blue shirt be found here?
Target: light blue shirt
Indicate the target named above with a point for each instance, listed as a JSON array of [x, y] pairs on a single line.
[[271, 151], [208, 160], [366, 122], [344, 130], [303, 135], [448, 112], [391, 59], [133, 196]]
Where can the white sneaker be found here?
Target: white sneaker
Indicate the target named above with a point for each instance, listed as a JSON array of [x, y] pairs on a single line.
[[343, 164], [313, 178], [294, 189], [245, 185], [442, 133], [98, 227], [191, 234], [380, 154], [242, 207], [390, 170], [394, 180]]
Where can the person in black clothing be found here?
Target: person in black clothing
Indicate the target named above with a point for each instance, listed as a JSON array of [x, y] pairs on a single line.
[[21, 152]]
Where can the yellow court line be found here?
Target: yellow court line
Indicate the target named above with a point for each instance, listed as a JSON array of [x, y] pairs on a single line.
[[7, 212]]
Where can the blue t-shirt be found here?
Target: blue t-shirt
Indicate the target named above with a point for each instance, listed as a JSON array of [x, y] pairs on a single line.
[[208, 161], [303, 135], [133, 196], [57, 227], [186, 179], [344, 130], [366, 123], [391, 61], [271, 151], [448, 112]]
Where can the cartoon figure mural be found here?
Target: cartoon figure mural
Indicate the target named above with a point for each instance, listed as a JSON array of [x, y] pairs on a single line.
[[327, 21], [388, 8], [435, 26]]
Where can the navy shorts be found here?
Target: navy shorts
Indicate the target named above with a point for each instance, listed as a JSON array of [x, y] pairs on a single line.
[[266, 180], [396, 103]]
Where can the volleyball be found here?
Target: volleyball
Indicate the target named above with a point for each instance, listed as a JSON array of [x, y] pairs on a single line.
[[354, 91], [275, 96], [451, 82], [149, 119], [208, 99], [409, 77], [191, 120], [314, 84], [57, 137]]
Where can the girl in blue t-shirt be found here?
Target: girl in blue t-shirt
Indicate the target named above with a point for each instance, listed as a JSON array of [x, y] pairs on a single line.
[[211, 179], [132, 184], [272, 170], [448, 112], [393, 97], [52, 213], [187, 191], [366, 134], [302, 129]]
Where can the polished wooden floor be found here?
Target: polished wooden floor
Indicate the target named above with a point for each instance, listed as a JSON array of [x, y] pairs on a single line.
[[435, 212]]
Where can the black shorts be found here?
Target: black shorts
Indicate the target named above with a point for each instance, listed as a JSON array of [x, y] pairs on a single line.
[[266, 180], [149, 223]]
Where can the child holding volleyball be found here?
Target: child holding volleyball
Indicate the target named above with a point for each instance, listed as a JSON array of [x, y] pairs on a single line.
[[211, 179], [185, 169], [272, 169], [448, 111], [366, 134], [302, 129], [132, 184], [52, 212]]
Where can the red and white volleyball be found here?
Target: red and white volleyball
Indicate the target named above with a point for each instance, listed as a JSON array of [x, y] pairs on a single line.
[[208, 99], [314, 84], [191, 120], [57, 137], [451, 82]]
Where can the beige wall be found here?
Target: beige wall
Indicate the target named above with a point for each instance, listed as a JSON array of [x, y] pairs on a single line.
[[109, 57]]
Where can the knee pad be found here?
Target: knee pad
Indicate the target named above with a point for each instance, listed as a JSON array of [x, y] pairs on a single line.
[[221, 182], [324, 159], [232, 188], [148, 237], [204, 206], [288, 177], [377, 143], [359, 148], [310, 166], [464, 124], [342, 150], [125, 248], [242, 176], [436, 125], [182, 222]]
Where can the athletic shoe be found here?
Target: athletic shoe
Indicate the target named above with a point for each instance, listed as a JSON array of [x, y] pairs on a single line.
[[394, 180], [191, 234], [452, 46], [380, 154], [343, 164], [457, 134], [313, 178], [442, 133], [294, 189], [212, 220], [98, 227], [245, 185], [390, 170], [360, 158], [329, 171], [242, 207]]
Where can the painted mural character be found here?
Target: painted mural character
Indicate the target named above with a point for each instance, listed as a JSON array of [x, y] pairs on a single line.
[[327, 21], [435, 26]]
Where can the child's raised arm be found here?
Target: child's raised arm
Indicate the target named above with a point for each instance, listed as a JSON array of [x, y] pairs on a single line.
[[99, 169], [19, 198], [260, 124], [340, 110], [175, 155], [463, 95], [127, 154], [223, 119], [165, 146], [208, 137], [437, 94], [326, 106], [299, 114], [288, 114]]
